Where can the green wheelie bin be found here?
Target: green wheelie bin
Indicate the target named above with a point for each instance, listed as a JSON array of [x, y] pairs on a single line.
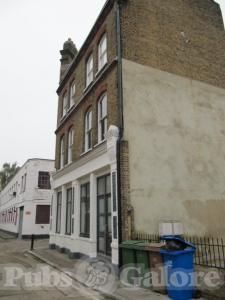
[[135, 256]]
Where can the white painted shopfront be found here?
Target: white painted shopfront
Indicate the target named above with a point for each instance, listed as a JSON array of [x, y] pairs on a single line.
[[84, 212]]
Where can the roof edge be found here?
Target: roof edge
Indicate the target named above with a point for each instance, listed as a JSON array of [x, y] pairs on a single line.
[[29, 159], [104, 11]]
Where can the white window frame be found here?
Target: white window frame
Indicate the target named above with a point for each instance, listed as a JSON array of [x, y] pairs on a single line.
[[70, 145], [64, 104], [24, 182], [102, 52], [89, 70], [88, 130], [102, 118], [21, 187], [62, 153], [72, 94], [68, 223]]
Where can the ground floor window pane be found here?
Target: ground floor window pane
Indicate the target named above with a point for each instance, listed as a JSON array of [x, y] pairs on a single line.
[[42, 214], [68, 211], [85, 210], [58, 212]]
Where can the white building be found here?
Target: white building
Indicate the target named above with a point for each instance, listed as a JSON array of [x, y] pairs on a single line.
[[25, 201], [81, 192]]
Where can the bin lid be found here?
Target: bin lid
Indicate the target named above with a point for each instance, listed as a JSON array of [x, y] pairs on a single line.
[[179, 239], [142, 245], [177, 252], [130, 244], [155, 247]]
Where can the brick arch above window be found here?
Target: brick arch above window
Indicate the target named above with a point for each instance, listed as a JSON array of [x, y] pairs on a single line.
[[89, 51], [101, 90], [101, 32]]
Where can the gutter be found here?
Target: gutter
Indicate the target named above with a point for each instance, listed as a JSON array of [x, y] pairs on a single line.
[[121, 125]]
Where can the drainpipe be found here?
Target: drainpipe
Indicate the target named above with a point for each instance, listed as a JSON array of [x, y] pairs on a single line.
[[120, 108]]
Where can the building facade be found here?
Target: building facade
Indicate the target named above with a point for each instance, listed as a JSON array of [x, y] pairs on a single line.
[[140, 135], [25, 201]]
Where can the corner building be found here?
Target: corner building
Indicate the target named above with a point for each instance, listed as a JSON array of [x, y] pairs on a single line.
[[140, 134], [26, 200]]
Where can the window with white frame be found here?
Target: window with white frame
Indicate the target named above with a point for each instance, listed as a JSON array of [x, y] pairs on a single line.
[[62, 152], [102, 118], [88, 130], [89, 70], [44, 180], [70, 145], [68, 211], [58, 212], [72, 94], [102, 52], [65, 102], [85, 210], [23, 183]]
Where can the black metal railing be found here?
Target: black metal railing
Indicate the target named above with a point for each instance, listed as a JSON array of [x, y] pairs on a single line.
[[151, 238], [210, 251]]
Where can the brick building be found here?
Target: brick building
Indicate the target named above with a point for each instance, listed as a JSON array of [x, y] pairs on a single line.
[[26, 199], [140, 134]]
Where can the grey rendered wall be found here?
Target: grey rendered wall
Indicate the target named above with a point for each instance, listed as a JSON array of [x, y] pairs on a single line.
[[175, 129]]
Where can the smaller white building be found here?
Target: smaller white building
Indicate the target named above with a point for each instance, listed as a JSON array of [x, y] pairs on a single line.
[[25, 202]]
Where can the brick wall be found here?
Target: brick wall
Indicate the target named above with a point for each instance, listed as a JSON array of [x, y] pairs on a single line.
[[126, 208], [77, 119], [108, 83], [184, 37]]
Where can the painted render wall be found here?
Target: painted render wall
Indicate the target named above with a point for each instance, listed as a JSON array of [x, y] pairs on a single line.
[[31, 197], [175, 129]]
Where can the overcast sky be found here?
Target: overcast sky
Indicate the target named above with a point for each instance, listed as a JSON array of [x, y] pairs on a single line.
[[32, 33]]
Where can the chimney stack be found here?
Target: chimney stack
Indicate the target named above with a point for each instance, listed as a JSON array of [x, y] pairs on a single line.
[[67, 55]]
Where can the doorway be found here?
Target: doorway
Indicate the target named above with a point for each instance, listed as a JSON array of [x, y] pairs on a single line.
[[104, 215]]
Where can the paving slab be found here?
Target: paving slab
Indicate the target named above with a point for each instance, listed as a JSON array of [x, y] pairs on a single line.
[[62, 262], [13, 254]]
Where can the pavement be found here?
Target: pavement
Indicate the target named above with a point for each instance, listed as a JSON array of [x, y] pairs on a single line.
[[105, 289], [79, 270], [25, 274], [23, 277]]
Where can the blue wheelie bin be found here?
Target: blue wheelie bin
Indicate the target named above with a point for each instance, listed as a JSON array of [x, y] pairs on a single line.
[[179, 269]]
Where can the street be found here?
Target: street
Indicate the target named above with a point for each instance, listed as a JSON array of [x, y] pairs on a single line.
[[42, 274], [12, 252], [24, 276]]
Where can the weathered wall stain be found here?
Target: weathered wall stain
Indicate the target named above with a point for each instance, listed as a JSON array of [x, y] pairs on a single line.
[[175, 130], [210, 214]]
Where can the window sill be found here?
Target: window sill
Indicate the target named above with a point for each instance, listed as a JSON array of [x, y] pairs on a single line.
[[67, 113], [63, 117], [69, 110], [86, 152], [99, 143], [101, 70], [84, 237], [88, 87]]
